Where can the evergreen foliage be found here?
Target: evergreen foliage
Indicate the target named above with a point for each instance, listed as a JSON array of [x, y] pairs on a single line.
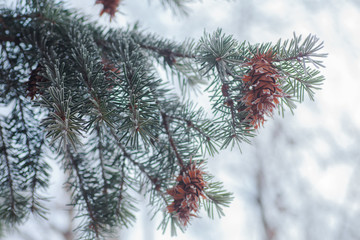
[[94, 96]]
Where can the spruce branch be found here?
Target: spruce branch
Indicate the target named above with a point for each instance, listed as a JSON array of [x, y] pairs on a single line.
[[153, 180], [216, 197], [228, 98], [94, 224], [62, 123], [90, 72], [101, 158], [121, 189], [171, 140], [205, 131], [117, 125], [301, 51], [167, 53], [22, 119], [4, 150], [177, 6], [179, 62], [32, 162], [190, 124], [122, 207]]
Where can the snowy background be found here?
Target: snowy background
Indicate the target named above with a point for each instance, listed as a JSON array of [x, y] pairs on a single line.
[[299, 178]]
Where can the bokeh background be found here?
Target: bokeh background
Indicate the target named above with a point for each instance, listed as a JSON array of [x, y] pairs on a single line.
[[299, 178]]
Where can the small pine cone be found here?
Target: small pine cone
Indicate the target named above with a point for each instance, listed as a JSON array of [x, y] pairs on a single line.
[[262, 90], [109, 69], [32, 85], [107, 66], [225, 90], [190, 186], [109, 7]]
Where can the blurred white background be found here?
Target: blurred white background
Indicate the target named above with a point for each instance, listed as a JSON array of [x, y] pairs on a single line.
[[298, 180]]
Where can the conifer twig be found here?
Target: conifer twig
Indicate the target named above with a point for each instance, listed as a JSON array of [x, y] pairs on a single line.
[[166, 52], [83, 192], [101, 88], [101, 157], [228, 99], [27, 142], [120, 198], [8, 168], [190, 124], [138, 165], [171, 140]]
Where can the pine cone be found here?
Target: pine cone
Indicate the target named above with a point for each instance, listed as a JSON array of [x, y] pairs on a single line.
[[32, 85], [190, 186], [107, 66], [109, 7], [262, 90]]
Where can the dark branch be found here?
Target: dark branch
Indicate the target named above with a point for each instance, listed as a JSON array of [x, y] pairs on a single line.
[[101, 157], [190, 124], [166, 52], [33, 15], [228, 98], [9, 39], [74, 164], [7, 160], [27, 140], [269, 232], [120, 198], [171, 140], [139, 166]]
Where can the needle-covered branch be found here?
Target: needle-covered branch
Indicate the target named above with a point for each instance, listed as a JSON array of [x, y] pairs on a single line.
[[171, 140], [256, 79], [11, 212], [98, 95]]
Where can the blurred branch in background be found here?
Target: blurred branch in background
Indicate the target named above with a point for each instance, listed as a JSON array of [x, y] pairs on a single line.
[[269, 232], [304, 183]]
